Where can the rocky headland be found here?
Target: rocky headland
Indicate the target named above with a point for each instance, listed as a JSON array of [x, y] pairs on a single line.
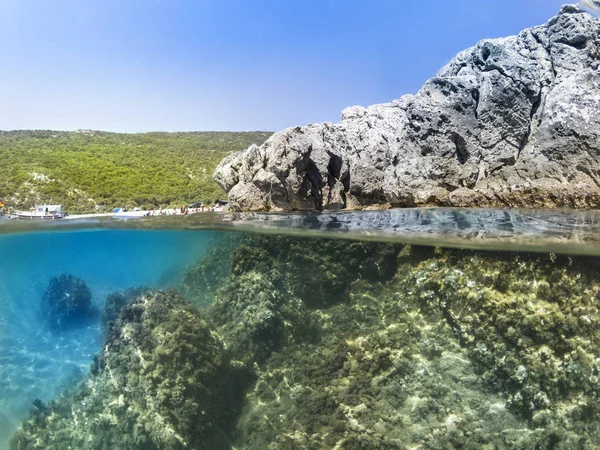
[[509, 122]]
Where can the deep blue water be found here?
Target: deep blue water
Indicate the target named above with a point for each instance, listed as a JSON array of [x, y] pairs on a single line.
[[35, 362]]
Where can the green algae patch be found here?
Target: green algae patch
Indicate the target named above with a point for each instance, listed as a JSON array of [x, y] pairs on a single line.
[[459, 350], [531, 327]]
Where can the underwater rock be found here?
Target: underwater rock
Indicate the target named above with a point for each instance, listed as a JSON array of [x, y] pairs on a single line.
[[66, 300], [115, 302], [270, 284], [318, 271], [417, 347], [255, 318], [162, 381], [460, 349], [530, 323], [209, 273], [509, 122]]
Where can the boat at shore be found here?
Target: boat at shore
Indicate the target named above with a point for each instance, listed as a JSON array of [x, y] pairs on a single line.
[[47, 212]]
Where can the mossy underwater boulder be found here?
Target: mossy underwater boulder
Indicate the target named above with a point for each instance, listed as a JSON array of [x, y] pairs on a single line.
[[256, 318], [115, 302], [277, 284], [319, 271], [162, 382], [66, 301], [531, 325]]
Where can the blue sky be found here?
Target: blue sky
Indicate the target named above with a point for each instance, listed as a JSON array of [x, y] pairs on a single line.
[[182, 65]]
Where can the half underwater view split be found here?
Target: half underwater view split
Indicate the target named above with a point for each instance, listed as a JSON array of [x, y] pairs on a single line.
[[295, 331], [299, 225]]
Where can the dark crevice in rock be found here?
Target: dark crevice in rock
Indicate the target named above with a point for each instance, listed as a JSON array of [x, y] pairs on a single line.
[[580, 42], [334, 169], [485, 53], [462, 153], [538, 39], [346, 182], [287, 194], [316, 181], [534, 109], [449, 187], [475, 94]]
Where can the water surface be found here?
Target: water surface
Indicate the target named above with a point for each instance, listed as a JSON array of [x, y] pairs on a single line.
[[34, 361], [419, 328]]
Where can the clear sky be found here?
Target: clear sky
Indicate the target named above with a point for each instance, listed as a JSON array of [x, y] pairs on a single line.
[[182, 65]]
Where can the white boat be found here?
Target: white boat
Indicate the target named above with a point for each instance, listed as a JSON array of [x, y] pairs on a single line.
[[48, 212]]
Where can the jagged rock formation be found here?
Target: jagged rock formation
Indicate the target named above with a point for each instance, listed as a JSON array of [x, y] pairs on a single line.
[[509, 122]]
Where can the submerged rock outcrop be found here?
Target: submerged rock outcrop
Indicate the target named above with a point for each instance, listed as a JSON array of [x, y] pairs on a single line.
[[315, 343], [162, 381], [461, 349], [66, 301], [509, 122], [115, 302]]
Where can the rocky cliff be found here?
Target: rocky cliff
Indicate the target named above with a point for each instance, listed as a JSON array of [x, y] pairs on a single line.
[[509, 122]]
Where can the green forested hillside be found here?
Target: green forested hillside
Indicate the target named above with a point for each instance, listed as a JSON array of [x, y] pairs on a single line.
[[91, 170]]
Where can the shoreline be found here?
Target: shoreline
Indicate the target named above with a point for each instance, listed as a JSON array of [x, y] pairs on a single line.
[[119, 215]]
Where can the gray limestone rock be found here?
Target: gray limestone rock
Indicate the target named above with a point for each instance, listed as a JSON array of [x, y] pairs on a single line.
[[509, 122]]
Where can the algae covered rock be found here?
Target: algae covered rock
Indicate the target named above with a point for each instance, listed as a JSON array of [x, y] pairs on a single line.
[[530, 326], [66, 301], [256, 318], [162, 381], [115, 302], [277, 283], [459, 350], [318, 271], [318, 344]]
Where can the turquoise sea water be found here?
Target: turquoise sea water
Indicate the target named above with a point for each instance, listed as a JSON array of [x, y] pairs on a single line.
[[395, 329], [34, 361]]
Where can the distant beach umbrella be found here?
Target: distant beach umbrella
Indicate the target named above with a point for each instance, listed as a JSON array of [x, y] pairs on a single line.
[[591, 6]]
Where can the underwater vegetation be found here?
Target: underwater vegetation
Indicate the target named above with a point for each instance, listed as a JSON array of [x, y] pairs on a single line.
[[162, 381], [66, 301], [299, 343], [115, 302]]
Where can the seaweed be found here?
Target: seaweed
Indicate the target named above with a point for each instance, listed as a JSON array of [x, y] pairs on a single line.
[[315, 343]]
